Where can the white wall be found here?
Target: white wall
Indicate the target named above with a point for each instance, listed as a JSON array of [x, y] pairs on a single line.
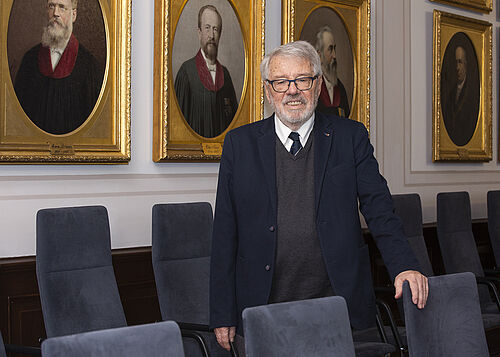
[[403, 95], [401, 129]]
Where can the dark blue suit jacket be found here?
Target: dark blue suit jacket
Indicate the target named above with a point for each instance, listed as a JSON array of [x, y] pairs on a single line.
[[244, 234]]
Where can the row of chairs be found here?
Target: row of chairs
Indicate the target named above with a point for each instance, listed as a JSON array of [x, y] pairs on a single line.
[[85, 231], [450, 325]]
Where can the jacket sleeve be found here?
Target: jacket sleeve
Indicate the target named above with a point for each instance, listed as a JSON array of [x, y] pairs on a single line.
[[224, 244], [376, 205]]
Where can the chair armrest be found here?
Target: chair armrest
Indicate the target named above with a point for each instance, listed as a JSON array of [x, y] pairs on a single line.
[[392, 324], [26, 350], [191, 328], [488, 282]]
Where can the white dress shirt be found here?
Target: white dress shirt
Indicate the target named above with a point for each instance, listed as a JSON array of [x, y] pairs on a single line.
[[282, 131]]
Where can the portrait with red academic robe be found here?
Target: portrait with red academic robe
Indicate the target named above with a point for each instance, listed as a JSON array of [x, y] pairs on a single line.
[[326, 31], [207, 77], [339, 30], [66, 81], [56, 97]]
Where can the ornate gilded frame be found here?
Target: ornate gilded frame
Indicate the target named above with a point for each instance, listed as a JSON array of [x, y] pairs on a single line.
[[355, 15], [104, 138], [479, 147], [173, 138], [484, 6]]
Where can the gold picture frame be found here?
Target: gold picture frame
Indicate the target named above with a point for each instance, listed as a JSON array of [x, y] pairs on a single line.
[[484, 6], [462, 89], [101, 137], [350, 20], [176, 42]]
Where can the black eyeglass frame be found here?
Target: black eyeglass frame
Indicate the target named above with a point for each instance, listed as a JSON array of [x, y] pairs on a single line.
[[313, 78]]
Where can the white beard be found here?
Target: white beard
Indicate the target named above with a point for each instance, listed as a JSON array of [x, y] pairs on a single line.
[[56, 35], [298, 118], [330, 72]]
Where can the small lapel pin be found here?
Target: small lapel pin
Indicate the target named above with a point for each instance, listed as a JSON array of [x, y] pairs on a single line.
[[327, 134]]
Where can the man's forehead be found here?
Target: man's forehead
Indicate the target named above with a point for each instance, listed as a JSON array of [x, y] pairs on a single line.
[[289, 66], [328, 37], [209, 14]]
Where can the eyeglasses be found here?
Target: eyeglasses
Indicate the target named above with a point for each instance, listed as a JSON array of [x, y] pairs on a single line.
[[301, 83], [52, 7]]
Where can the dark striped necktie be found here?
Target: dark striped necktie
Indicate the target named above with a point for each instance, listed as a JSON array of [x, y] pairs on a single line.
[[296, 146]]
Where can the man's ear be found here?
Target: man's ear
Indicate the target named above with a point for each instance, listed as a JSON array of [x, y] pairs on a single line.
[[266, 90], [73, 15]]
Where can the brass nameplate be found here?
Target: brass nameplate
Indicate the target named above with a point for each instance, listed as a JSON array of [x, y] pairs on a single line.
[[212, 149], [61, 149]]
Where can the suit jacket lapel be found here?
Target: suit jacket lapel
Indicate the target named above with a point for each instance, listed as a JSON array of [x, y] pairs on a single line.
[[323, 137], [267, 150]]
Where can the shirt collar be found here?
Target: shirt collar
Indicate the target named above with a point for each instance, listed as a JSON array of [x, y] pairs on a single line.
[[282, 131]]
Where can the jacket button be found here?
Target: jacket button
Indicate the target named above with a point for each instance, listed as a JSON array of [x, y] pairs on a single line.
[[272, 229], [268, 267]]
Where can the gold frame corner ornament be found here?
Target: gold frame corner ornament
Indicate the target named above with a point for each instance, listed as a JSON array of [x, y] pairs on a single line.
[[356, 17], [484, 6], [173, 138], [104, 138], [479, 146]]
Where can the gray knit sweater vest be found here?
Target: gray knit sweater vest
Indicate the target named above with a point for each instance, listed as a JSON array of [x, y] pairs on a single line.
[[299, 271]]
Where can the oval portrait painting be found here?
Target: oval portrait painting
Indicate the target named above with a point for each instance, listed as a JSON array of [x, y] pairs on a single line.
[[208, 65], [57, 58], [326, 31], [460, 89]]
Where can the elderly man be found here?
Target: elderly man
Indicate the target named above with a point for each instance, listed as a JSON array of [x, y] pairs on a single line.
[[286, 218], [203, 86], [461, 104], [59, 80], [333, 97]]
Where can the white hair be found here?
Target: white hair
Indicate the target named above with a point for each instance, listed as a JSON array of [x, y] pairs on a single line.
[[300, 49]]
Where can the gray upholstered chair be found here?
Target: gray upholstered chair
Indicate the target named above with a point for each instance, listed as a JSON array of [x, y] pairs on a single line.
[[450, 324], [493, 199], [459, 251], [181, 245], [77, 285], [161, 339], [409, 209], [316, 327]]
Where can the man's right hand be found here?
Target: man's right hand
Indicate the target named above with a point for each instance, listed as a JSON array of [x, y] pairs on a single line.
[[224, 335]]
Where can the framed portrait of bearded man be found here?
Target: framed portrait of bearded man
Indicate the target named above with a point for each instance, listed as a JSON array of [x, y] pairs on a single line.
[[462, 82], [206, 75], [65, 81], [340, 32]]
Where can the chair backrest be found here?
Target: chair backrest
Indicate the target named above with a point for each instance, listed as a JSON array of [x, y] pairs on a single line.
[[454, 228], [494, 223], [409, 209], [315, 327], [151, 340], [2, 347], [77, 285], [450, 324], [181, 245]]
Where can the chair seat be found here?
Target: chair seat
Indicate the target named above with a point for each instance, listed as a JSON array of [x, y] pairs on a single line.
[[372, 349]]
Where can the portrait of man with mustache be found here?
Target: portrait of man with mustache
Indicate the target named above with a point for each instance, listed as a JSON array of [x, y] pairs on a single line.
[[59, 80], [203, 86], [333, 97]]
